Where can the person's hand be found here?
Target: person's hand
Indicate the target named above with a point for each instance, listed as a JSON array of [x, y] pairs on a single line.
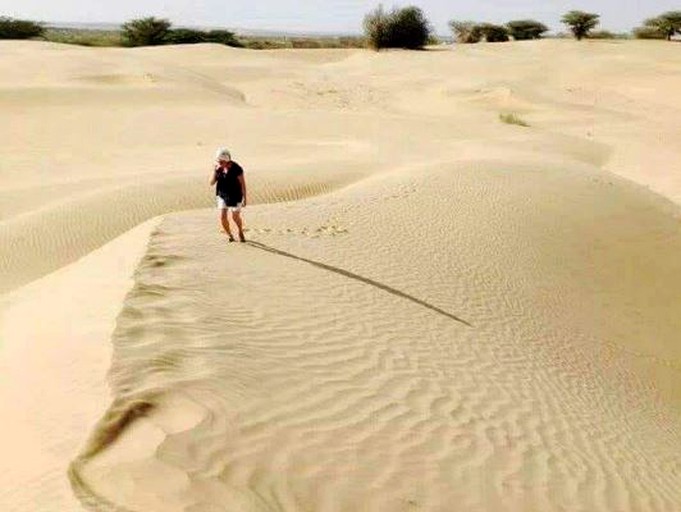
[[243, 203]]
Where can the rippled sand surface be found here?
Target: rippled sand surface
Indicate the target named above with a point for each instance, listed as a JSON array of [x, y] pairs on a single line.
[[435, 310]]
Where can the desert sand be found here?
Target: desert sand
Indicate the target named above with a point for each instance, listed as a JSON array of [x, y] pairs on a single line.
[[435, 311]]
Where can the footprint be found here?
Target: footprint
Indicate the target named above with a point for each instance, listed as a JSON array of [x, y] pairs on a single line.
[[323, 230]]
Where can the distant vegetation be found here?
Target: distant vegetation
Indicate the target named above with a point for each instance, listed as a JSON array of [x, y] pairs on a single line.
[[146, 31], [647, 33], [664, 26], [522, 30], [19, 29], [405, 28], [493, 33], [84, 37], [287, 42], [580, 23], [183, 36], [190, 36], [607, 34], [153, 32], [398, 28], [468, 32]]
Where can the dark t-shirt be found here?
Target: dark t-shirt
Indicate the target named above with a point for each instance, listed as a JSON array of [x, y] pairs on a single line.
[[228, 186]]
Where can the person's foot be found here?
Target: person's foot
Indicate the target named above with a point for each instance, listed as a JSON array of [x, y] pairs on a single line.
[[230, 237], [242, 238]]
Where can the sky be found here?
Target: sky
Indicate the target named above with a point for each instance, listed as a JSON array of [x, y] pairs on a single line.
[[333, 16]]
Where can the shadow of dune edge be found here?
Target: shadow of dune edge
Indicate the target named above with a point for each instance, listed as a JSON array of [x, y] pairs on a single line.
[[270, 385], [37, 242], [117, 418], [124, 415]]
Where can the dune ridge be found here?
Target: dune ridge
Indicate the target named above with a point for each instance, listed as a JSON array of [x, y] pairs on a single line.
[[331, 394], [437, 309], [39, 241]]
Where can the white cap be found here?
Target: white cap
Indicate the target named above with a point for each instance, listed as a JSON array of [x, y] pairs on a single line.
[[223, 154]]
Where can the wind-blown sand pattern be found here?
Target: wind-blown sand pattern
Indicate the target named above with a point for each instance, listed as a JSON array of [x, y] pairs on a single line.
[[436, 311]]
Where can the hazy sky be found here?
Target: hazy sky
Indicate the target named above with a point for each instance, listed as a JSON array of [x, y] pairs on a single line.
[[329, 15]]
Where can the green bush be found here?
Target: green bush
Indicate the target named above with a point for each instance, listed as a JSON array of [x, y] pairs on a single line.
[[145, 31], [83, 37], [649, 33], [607, 34], [493, 33], [264, 44], [522, 30], [466, 32], [223, 37], [666, 24], [470, 32], [19, 29], [184, 36], [191, 36], [580, 23], [400, 28]]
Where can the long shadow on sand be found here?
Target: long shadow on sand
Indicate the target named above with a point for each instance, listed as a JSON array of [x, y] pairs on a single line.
[[356, 277]]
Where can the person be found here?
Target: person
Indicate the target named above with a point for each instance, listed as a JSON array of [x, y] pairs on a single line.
[[230, 191]]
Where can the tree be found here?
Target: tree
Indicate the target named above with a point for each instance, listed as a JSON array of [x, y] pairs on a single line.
[[376, 28], [666, 24], [493, 33], [145, 31], [19, 29], [410, 28], [470, 32], [580, 23], [522, 30], [400, 28], [466, 32]]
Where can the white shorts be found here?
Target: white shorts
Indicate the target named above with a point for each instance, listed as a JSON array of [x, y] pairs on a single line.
[[222, 205]]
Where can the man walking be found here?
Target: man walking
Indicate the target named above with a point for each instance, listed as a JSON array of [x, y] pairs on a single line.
[[230, 191]]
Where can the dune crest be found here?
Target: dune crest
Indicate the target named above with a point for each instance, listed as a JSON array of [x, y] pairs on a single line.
[[468, 368]]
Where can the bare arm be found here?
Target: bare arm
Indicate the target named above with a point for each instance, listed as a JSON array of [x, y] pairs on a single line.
[[214, 177], [242, 181]]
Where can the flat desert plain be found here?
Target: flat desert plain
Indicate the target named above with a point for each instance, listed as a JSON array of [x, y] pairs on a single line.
[[436, 310]]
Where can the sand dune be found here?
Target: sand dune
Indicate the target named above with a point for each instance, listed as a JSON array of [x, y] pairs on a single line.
[[437, 310]]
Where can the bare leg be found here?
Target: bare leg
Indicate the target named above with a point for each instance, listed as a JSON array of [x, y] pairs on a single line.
[[225, 224], [239, 224]]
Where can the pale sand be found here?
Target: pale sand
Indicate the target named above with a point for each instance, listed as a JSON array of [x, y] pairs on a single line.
[[454, 313]]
